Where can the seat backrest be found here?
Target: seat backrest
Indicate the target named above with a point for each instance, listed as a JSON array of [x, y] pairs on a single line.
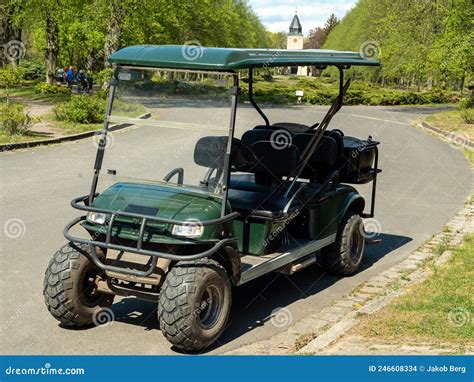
[[322, 160], [272, 160], [274, 157], [326, 153], [210, 152], [293, 128], [296, 129]]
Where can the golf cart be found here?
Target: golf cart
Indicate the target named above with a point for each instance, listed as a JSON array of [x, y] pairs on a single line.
[[196, 201]]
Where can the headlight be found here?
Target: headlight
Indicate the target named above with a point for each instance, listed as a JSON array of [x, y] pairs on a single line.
[[96, 217], [188, 230]]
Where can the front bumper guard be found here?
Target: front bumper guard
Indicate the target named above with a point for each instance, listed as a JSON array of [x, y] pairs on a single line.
[[80, 203]]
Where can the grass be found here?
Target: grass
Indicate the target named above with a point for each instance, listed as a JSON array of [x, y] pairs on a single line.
[[470, 155], [452, 122], [74, 128], [9, 139], [28, 92], [429, 310]]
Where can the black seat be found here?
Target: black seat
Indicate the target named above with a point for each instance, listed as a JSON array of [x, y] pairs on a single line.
[[293, 128], [210, 152], [322, 161], [254, 193], [259, 204]]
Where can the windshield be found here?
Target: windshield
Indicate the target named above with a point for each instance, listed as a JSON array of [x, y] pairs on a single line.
[[177, 127]]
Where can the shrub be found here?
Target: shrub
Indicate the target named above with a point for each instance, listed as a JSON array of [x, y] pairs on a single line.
[[33, 70], [44, 88], [10, 77], [466, 103], [81, 109], [14, 120], [102, 78], [102, 94], [467, 115]]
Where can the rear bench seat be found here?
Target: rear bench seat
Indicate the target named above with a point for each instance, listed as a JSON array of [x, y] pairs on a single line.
[[329, 151], [264, 163]]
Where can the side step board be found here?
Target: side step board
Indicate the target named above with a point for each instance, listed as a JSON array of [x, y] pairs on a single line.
[[298, 265], [256, 266]]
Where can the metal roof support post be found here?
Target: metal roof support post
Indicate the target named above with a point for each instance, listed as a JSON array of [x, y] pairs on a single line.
[[103, 137], [314, 141], [234, 98], [252, 101]]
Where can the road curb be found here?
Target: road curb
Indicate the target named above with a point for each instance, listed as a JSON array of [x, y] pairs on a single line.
[[410, 272], [315, 334], [67, 138], [458, 139]]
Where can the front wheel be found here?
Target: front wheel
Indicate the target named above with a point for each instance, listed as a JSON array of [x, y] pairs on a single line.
[[194, 304], [344, 256], [70, 288]]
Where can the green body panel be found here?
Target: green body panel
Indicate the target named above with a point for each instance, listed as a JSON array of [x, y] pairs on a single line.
[[327, 215], [257, 236], [320, 219], [203, 58], [316, 220], [170, 202]]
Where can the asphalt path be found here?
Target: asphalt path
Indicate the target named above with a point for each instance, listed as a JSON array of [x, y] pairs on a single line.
[[424, 182]]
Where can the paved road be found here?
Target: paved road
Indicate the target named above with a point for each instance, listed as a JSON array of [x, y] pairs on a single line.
[[424, 182]]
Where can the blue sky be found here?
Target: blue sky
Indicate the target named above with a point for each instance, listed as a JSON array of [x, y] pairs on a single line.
[[276, 15]]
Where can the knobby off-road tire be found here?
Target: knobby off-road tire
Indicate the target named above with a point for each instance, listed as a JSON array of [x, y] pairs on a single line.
[[344, 256], [194, 304], [69, 290]]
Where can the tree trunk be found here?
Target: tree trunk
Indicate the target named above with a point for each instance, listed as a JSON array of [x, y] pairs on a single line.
[[114, 30], [429, 83], [52, 48], [90, 59], [11, 47], [463, 80]]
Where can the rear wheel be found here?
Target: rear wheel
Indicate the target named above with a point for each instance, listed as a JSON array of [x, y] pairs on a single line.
[[70, 289], [344, 256], [194, 304]]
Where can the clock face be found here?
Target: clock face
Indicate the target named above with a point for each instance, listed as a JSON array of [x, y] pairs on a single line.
[[295, 40]]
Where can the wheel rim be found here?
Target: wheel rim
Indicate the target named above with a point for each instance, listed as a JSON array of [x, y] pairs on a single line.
[[89, 292], [210, 306], [356, 244]]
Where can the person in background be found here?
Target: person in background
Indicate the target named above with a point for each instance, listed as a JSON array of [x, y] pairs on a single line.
[[69, 76], [81, 81], [59, 76], [90, 80]]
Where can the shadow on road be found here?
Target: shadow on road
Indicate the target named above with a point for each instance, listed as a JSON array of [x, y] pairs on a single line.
[[256, 302]]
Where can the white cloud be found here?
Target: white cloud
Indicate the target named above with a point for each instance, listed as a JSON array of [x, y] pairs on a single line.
[[276, 15]]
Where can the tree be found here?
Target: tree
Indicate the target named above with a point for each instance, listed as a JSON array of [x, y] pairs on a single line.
[[317, 36], [419, 43], [85, 32], [117, 12], [11, 23], [277, 40], [331, 23]]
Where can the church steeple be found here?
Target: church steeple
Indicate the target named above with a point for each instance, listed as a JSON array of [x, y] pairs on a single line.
[[295, 27], [295, 41]]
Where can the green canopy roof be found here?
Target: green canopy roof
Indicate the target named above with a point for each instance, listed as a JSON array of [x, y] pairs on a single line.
[[202, 58]]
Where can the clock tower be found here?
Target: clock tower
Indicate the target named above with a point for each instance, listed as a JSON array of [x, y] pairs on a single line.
[[295, 41]]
